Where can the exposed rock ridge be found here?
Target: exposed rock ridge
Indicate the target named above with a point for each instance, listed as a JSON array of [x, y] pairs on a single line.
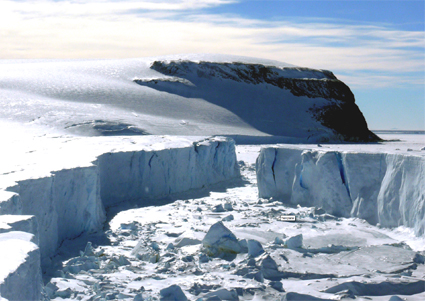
[[342, 114], [295, 79]]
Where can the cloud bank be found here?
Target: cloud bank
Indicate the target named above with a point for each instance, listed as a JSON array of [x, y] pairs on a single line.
[[363, 54]]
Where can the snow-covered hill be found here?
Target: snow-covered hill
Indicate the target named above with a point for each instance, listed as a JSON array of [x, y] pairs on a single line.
[[252, 100]]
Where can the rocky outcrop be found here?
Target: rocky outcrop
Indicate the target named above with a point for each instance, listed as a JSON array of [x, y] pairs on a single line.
[[339, 113]]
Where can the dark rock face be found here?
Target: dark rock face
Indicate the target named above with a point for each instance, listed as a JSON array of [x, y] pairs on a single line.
[[341, 115], [346, 119]]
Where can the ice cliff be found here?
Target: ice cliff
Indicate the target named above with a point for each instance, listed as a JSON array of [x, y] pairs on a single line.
[[384, 188], [63, 202]]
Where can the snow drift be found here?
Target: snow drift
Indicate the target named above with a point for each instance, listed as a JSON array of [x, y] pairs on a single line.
[[72, 201], [383, 188]]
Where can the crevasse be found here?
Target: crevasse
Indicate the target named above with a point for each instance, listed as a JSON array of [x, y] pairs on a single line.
[[72, 201]]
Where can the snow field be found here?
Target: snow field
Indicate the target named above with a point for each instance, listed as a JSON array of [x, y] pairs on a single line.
[[71, 201]]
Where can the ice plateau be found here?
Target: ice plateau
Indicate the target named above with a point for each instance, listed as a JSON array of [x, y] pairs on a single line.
[[251, 100]]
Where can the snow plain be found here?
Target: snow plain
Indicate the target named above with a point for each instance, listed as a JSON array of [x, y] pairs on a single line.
[[130, 216]]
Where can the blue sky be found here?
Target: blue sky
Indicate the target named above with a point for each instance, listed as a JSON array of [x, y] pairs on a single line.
[[376, 47]]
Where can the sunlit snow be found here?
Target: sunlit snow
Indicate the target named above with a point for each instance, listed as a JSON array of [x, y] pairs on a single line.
[[111, 187]]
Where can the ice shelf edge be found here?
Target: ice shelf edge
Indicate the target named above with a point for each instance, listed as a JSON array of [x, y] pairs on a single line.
[[383, 188], [72, 201]]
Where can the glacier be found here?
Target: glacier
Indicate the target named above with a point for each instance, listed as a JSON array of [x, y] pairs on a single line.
[[384, 188], [52, 201]]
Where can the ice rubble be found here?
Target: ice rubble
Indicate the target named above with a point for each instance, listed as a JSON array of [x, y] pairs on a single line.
[[58, 201], [157, 249], [383, 188]]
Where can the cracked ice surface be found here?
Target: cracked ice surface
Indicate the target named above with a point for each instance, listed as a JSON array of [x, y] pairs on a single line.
[[155, 250]]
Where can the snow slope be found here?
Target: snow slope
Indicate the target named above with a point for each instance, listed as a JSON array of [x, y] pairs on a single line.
[[249, 99], [386, 188]]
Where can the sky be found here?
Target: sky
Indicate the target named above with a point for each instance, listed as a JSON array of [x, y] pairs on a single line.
[[376, 47]]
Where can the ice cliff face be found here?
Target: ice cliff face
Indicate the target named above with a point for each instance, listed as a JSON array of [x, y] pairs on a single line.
[[20, 274], [338, 112], [383, 188], [145, 175], [72, 201]]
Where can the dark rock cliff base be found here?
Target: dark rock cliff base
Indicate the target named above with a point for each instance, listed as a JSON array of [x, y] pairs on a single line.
[[341, 114]]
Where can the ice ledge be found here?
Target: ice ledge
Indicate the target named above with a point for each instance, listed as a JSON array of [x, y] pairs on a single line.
[[384, 188], [67, 183], [20, 273]]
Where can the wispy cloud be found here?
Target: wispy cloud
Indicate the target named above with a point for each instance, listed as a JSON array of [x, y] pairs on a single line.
[[116, 29]]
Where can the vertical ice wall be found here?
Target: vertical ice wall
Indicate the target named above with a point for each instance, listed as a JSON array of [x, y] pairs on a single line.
[[144, 175], [72, 201], [382, 188], [20, 272], [65, 204]]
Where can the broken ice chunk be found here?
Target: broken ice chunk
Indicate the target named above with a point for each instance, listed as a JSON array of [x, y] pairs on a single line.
[[278, 241], [223, 294], [254, 248], [294, 242], [318, 211], [218, 208], [291, 296], [244, 245], [203, 258], [129, 226], [173, 292], [138, 297], [228, 207], [78, 264], [155, 246], [220, 241], [277, 285], [269, 269], [185, 241], [145, 253], [88, 251], [228, 218]]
